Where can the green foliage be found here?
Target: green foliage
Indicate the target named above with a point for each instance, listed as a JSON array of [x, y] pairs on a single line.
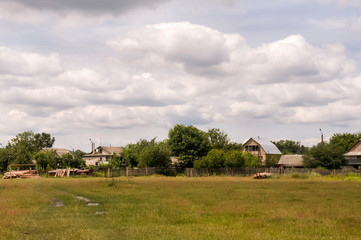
[[234, 158], [219, 140], [272, 160], [132, 151], [352, 176], [324, 155], [23, 147], [6, 156], [157, 155], [115, 161], [299, 175], [189, 143], [45, 159], [214, 159], [251, 161], [344, 141], [290, 147]]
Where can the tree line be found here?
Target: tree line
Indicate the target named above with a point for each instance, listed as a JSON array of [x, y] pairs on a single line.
[[28, 146], [192, 147]]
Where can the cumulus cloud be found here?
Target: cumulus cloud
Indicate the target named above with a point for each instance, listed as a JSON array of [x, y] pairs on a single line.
[[19, 63], [205, 51], [182, 73]]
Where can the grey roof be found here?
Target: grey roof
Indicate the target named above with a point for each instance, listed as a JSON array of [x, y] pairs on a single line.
[[266, 144], [291, 160], [353, 154], [59, 151]]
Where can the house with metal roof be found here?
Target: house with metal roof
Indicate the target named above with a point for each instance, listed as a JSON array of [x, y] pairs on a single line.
[[261, 148], [101, 155], [353, 156]]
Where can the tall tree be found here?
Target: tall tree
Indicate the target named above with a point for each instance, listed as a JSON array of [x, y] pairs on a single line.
[[290, 147], [132, 151], [23, 147], [189, 143], [344, 141], [324, 155]]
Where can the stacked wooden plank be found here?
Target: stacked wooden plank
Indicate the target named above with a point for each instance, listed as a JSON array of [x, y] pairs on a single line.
[[21, 174]]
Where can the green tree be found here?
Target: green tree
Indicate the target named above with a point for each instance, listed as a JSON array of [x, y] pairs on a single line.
[[290, 147], [189, 143], [24, 146], [132, 151], [45, 159], [6, 156], [157, 155], [344, 141], [251, 161], [214, 159], [234, 158], [116, 161], [217, 138], [70, 160], [324, 155]]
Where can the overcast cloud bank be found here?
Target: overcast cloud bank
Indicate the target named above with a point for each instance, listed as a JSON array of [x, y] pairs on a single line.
[[153, 76]]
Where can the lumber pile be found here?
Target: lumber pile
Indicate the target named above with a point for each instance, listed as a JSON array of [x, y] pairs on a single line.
[[262, 175], [67, 172], [21, 174]]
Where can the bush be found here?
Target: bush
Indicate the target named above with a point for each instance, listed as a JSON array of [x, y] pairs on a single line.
[[234, 158], [299, 175]]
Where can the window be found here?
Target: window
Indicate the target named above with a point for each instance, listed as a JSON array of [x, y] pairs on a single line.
[[251, 148]]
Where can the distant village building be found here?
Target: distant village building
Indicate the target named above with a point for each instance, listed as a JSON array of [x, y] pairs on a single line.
[[261, 148], [295, 161], [101, 155], [59, 151], [353, 156]]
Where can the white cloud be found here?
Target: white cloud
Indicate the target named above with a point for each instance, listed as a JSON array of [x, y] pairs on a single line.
[[19, 63]]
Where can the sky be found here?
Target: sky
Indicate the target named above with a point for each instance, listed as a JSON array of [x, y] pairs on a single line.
[[117, 71]]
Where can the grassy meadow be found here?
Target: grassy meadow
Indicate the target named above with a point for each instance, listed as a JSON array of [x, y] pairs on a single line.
[[180, 208]]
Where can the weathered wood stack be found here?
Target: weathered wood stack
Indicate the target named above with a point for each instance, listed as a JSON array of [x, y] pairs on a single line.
[[67, 172], [21, 174]]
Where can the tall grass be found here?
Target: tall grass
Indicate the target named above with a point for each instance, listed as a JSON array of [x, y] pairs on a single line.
[[181, 208]]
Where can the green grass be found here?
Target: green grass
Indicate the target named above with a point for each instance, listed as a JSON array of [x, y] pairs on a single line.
[[181, 208]]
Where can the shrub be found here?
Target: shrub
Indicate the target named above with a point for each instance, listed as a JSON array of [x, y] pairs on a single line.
[[299, 175]]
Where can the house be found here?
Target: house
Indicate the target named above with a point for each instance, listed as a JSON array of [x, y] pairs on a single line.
[[261, 148], [59, 151], [295, 161], [101, 155], [353, 156]]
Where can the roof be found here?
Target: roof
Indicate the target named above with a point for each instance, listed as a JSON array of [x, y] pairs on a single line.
[[291, 160], [266, 144], [106, 151], [353, 154], [59, 151], [112, 150]]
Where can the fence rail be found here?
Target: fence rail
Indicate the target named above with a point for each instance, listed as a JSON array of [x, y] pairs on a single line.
[[117, 172], [246, 171]]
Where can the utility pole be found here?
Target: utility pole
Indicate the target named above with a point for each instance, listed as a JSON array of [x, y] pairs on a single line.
[[321, 135]]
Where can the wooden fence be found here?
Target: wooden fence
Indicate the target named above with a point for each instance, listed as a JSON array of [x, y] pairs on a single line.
[[117, 172], [246, 171]]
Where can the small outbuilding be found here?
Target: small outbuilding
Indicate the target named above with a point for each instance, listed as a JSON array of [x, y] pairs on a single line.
[[353, 156], [289, 161]]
